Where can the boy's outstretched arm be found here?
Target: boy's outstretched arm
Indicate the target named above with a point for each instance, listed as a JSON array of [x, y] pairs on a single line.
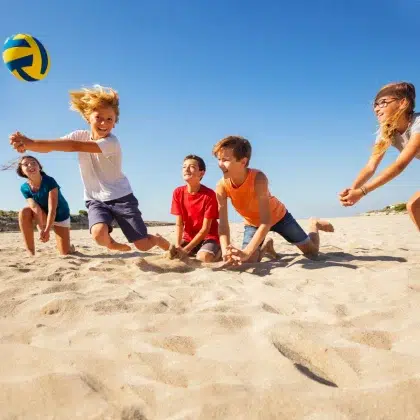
[[224, 232], [19, 141], [199, 237], [261, 190], [179, 224]]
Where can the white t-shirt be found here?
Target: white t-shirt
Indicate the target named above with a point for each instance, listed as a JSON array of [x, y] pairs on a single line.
[[101, 172], [401, 140]]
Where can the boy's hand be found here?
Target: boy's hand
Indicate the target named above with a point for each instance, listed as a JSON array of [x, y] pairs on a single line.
[[19, 142], [236, 256]]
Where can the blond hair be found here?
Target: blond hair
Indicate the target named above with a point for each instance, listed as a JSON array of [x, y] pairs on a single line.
[[88, 100], [388, 128], [239, 145]]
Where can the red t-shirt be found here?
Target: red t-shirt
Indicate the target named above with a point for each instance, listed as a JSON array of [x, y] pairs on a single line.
[[193, 208]]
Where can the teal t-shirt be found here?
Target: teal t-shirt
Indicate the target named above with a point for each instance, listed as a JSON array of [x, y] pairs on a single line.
[[41, 197]]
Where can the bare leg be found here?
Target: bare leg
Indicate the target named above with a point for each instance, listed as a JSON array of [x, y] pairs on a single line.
[[413, 207], [26, 225], [62, 238], [152, 241], [311, 248], [100, 233], [268, 248], [206, 257]]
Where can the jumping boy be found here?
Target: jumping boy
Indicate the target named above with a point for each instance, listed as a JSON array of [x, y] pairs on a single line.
[[248, 191], [107, 191], [196, 210]]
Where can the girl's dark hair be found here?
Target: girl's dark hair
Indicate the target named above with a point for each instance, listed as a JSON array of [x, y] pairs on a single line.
[[19, 170]]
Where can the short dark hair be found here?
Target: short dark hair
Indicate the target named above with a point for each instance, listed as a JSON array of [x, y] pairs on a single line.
[[19, 166], [200, 161]]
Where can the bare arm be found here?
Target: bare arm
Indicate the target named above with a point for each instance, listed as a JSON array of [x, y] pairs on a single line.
[[224, 232], [367, 172], [40, 215], [261, 190], [18, 140], [179, 224], [52, 208], [200, 235], [405, 157]]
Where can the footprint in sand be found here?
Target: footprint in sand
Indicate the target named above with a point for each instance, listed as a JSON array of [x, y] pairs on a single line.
[[65, 287], [377, 339], [59, 305], [176, 344], [316, 361], [171, 261]]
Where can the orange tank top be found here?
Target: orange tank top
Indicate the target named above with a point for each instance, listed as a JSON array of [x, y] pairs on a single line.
[[245, 200]]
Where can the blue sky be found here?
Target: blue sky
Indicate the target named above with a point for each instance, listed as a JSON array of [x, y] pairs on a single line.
[[296, 78]]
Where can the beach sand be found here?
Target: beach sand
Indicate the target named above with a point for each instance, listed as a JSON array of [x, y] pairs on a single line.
[[100, 335]]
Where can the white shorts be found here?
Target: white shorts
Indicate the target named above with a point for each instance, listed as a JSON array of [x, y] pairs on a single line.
[[64, 223]]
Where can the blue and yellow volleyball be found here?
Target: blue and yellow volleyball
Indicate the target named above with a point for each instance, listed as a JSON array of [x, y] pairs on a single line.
[[26, 57]]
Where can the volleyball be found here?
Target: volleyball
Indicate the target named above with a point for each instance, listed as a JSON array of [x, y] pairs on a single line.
[[26, 57]]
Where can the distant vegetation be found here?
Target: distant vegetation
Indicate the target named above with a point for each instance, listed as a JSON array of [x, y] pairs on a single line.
[[393, 208]]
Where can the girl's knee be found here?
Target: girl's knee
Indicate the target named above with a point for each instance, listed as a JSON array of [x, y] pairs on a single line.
[[413, 204], [26, 213]]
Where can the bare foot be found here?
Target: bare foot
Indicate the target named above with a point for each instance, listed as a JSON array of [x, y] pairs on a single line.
[[162, 243], [72, 249], [116, 246], [323, 225], [268, 248]]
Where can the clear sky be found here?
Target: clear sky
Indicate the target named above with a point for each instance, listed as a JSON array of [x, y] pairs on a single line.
[[296, 78]]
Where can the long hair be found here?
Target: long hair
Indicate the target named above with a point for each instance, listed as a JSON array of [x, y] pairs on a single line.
[[388, 128], [88, 100], [19, 170]]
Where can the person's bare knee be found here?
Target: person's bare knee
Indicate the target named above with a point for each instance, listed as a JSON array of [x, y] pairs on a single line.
[[309, 249], [26, 214], [413, 205], [100, 233], [205, 257]]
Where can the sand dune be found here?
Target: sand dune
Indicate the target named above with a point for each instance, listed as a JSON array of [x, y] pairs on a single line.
[[99, 335]]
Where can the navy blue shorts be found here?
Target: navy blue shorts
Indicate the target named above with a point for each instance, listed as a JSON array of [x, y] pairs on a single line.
[[125, 211], [287, 227]]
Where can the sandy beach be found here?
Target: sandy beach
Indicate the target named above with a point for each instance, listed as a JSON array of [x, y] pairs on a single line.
[[100, 335]]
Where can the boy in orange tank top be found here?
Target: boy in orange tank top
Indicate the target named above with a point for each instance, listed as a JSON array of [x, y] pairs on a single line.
[[248, 191]]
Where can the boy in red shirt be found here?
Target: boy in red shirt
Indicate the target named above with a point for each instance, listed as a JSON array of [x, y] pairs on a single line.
[[196, 210]]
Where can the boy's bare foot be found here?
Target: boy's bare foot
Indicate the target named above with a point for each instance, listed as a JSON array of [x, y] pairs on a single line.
[[162, 243], [323, 225], [268, 248], [116, 246]]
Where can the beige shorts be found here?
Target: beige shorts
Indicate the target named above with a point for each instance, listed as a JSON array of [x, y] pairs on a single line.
[[64, 223]]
